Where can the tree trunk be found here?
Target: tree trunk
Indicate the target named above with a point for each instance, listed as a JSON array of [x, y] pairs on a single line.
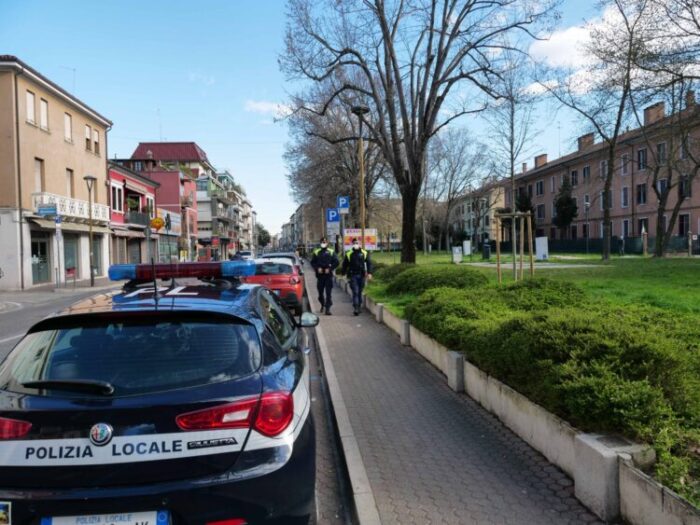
[[660, 242], [409, 200]]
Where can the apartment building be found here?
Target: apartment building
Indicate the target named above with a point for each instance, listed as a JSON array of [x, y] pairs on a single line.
[[132, 206], [53, 164], [219, 210], [472, 215], [633, 200]]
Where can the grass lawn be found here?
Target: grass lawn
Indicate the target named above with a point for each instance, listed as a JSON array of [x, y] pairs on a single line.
[[670, 283]]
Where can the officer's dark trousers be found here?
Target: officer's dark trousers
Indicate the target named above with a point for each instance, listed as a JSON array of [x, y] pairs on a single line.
[[357, 283], [324, 284]]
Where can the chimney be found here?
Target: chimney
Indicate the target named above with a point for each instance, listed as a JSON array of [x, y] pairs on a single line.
[[689, 98], [654, 113], [540, 160], [585, 140], [524, 167]]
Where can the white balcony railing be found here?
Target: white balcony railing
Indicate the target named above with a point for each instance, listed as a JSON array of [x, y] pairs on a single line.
[[68, 207]]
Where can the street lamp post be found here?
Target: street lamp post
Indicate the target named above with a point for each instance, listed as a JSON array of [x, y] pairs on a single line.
[[587, 206], [360, 111], [90, 181]]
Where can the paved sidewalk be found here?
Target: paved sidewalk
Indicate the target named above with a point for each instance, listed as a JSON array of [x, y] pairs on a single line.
[[431, 455]]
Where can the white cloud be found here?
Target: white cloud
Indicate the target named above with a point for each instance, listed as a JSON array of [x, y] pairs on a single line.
[[266, 107], [199, 78], [564, 48]]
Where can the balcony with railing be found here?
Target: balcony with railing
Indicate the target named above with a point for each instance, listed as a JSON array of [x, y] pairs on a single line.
[[68, 207], [138, 218]]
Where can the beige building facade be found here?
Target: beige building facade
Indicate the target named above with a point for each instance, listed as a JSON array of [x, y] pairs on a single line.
[[50, 142]]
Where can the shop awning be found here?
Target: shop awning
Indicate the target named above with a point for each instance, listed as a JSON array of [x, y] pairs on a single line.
[[69, 226]]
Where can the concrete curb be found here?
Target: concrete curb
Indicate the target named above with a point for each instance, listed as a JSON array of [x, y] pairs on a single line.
[[363, 497]]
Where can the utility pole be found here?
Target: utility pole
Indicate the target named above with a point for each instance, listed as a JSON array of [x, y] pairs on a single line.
[[360, 111]]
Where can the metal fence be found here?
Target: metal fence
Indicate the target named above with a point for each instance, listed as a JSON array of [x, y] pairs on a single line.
[[626, 246]]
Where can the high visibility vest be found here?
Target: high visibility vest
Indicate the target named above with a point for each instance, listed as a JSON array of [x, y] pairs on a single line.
[[348, 254], [318, 250]]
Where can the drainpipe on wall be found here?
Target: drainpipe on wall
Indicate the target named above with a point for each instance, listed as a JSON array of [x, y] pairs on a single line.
[[19, 184]]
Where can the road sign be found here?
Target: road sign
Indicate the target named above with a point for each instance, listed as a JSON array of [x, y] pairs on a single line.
[[46, 209], [332, 229], [344, 205], [332, 215], [57, 220]]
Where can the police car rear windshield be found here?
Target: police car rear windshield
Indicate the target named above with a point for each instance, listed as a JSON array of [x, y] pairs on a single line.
[[134, 356]]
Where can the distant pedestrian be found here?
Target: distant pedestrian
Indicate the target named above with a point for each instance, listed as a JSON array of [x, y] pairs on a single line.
[[357, 265], [324, 261]]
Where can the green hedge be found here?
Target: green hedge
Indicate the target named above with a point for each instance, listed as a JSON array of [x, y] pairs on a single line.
[[633, 370], [417, 280], [388, 272]]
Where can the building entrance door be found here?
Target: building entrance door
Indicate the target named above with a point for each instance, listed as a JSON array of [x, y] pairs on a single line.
[[97, 254], [134, 251], [70, 255], [40, 258]]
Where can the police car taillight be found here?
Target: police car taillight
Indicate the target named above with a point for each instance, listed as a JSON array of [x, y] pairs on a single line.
[[269, 415], [13, 428], [215, 270]]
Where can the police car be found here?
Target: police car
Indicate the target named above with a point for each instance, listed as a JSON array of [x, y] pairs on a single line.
[[172, 401]]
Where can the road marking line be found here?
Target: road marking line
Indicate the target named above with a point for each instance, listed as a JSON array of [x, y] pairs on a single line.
[[10, 338]]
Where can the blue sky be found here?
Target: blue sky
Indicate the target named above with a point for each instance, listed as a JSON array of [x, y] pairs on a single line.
[[201, 71]]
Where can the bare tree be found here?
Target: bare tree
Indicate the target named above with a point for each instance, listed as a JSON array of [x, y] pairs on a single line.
[[511, 127], [321, 167], [600, 92], [456, 163], [405, 59]]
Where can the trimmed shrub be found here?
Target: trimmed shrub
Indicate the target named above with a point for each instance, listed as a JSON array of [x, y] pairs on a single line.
[[388, 272], [417, 280], [540, 294]]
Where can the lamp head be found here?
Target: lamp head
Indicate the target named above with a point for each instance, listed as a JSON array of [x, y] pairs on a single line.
[[360, 110], [90, 181]]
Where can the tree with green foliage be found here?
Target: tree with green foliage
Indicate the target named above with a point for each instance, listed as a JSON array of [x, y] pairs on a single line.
[[565, 206], [263, 235]]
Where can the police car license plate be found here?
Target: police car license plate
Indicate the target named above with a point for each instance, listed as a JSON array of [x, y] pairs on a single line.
[[160, 517]]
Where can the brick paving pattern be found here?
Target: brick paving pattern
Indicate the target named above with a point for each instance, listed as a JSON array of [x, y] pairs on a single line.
[[433, 456]]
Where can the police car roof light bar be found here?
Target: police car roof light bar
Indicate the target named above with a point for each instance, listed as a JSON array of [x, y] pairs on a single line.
[[148, 272]]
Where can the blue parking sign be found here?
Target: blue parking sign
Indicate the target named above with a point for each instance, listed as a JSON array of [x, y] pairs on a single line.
[[332, 215], [343, 204]]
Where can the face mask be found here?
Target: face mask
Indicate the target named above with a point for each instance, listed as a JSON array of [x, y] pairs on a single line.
[[324, 245], [355, 246]]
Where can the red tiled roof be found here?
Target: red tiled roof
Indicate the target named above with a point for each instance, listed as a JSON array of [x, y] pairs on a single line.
[[170, 151]]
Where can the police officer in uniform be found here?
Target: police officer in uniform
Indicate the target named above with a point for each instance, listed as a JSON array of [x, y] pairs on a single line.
[[357, 266], [324, 261]]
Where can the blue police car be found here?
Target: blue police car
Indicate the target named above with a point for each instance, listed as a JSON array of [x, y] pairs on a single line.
[[173, 401]]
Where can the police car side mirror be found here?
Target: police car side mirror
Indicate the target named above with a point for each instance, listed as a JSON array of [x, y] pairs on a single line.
[[308, 320]]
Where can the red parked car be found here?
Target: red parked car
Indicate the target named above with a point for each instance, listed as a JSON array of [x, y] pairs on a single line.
[[282, 277]]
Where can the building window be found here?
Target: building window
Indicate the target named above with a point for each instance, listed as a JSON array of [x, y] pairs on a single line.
[[31, 110], [88, 138], [574, 178], [552, 233], [574, 232], [601, 229], [684, 148], [643, 225], [624, 164], [626, 228], [586, 173], [138, 166], [44, 114], [552, 184], [625, 202], [117, 199], [529, 190], [38, 175], [683, 224], [585, 231], [662, 185], [661, 153], [96, 140], [554, 209], [684, 187], [70, 189], [540, 211], [68, 127], [603, 169], [586, 199], [642, 159], [539, 186], [642, 193], [151, 207], [605, 200]]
